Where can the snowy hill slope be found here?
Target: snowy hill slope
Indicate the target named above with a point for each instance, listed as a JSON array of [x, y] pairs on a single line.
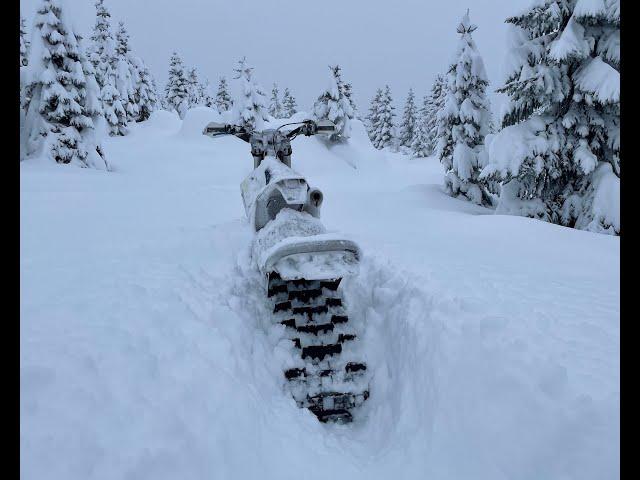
[[494, 340]]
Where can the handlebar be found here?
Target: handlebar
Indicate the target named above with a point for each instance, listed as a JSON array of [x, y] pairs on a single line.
[[307, 128]]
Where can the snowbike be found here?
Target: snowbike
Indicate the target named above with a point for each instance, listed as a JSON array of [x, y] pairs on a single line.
[[302, 265]]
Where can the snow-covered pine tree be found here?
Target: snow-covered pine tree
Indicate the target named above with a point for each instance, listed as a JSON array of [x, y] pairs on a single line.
[[409, 119], [177, 88], [464, 120], [558, 155], [145, 95], [275, 108], [347, 90], [372, 117], [421, 146], [432, 104], [127, 75], [103, 57], [58, 110], [223, 99], [383, 128], [205, 89], [289, 105], [334, 106], [194, 88], [92, 137], [24, 43], [250, 108]]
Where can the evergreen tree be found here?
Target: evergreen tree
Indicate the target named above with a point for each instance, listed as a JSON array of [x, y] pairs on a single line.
[[145, 95], [177, 88], [103, 57], [463, 122], [250, 108], [223, 99], [207, 99], [433, 104], [288, 104], [334, 106], [421, 146], [59, 110], [562, 124], [382, 129], [92, 137], [408, 125], [347, 90], [24, 44], [127, 76], [103, 46], [372, 117], [275, 108]]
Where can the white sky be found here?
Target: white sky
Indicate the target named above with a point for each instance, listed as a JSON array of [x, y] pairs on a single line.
[[404, 43]]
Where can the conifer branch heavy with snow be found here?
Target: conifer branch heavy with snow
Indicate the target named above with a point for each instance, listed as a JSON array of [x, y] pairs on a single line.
[[558, 153], [464, 121], [24, 43]]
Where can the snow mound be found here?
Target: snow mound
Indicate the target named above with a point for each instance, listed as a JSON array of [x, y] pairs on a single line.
[[163, 120], [196, 119]]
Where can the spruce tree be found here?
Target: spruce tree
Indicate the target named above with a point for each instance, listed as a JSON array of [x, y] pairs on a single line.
[[288, 104], [433, 103], [275, 108], [463, 122], [127, 76], [58, 109], [177, 88], [92, 137], [24, 44], [205, 89], [408, 125], [372, 117], [103, 57], [223, 99], [421, 146], [250, 108], [347, 90], [562, 125], [145, 96], [382, 128], [334, 106], [195, 89]]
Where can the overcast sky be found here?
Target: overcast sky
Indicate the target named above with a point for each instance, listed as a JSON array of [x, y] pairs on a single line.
[[404, 43]]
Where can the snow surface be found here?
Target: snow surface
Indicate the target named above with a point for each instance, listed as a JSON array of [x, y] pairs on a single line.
[[493, 340]]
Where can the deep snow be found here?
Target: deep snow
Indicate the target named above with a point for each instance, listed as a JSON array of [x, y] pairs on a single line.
[[145, 352]]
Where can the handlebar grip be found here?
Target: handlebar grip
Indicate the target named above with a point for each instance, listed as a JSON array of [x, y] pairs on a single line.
[[325, 128], [215, 127]]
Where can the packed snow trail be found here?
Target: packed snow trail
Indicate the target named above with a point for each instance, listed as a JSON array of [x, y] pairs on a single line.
[[493, 340]]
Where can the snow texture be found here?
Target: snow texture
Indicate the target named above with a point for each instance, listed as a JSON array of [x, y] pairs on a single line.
[[146, 349]]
